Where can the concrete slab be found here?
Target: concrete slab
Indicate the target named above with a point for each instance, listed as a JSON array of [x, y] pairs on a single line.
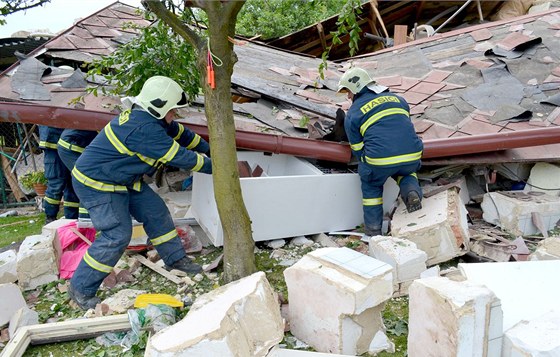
[[527, 290], [8, 266], [539, 337]]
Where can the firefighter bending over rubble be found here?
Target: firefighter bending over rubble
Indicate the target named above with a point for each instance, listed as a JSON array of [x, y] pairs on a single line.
[[384, 141], [108, 180]]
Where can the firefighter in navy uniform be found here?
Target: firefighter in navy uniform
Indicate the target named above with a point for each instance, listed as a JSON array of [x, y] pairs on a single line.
[[58, 176], [108, 180], [71, 145], [383, 139]]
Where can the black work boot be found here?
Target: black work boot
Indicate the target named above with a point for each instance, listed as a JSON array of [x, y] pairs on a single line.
[[84, 302], [49, 220], [186, 265], [413, 202]]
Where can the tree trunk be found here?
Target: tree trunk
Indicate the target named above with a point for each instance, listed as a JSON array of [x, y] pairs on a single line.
[[239, 256]]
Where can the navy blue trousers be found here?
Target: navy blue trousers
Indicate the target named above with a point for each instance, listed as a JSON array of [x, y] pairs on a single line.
[[69, 159], [110, 214], [373, 178], [59, 185]]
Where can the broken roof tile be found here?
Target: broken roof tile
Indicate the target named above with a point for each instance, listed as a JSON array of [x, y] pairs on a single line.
[[436, 76], [389, 81], [436, 131], [552, 79], [483, 46], [418, 109], [463, 122], [451, 86], [477, 127], [481, 35], [513, 40], [421, 126], [427, 87], [518, 27], [281, 71], [60, 43], [448, 63], [414, 97], [488, 113], [406, 83]]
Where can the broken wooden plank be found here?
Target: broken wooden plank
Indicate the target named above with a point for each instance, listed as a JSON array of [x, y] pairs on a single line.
[[400, 34], [12, 181], [159, 269], [80, 235], [63, 331]]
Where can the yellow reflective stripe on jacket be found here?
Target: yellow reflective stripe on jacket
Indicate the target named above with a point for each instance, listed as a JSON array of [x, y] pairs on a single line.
[[358, 146], [391, 160], [372, 201], [52, 201], [82, 210], [195, 141], [181, 131], [137, 186], [169, 155], [147, 160], [71, 147], [96, 265], [380, 115], [71, 204], [164, 238], [199, 163], [46, 144], [116, 142], [100, 186], [399, 178]]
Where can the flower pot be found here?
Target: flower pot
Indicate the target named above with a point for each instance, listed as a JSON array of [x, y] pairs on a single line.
[[40, 189]]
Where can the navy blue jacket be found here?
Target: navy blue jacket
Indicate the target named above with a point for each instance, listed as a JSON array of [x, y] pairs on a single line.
[[76, 140], [380, 131], [136, 143]]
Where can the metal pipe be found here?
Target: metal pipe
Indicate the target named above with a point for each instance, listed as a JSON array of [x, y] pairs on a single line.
[[316, 149]]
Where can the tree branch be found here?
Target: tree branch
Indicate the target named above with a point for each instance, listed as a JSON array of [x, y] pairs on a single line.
[[232, 8], [21, 5], [159, 9]]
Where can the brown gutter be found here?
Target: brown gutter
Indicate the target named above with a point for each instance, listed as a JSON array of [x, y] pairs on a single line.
[[309, 148]]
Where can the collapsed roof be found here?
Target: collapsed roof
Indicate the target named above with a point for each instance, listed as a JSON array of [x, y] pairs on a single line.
[[447, 79]]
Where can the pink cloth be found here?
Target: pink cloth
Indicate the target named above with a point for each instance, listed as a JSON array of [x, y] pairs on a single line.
[[73, 248]]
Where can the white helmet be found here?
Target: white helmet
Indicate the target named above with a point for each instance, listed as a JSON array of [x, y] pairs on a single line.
[[161, 94], [354, 79]]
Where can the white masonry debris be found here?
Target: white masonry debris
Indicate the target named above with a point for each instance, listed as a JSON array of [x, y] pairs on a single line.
[[526, 289], [514, 211], [539, 337], [12, 301], [37, 261], [440, 228], [8, 266], [408, 262], [347, 291], [50, 230], [281, 352], [453, 319], [547, 249], [545, 178], [23, 317], [123, 300], [241, 318]]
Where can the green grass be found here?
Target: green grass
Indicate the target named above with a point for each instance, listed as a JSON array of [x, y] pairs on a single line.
[[17, 228]]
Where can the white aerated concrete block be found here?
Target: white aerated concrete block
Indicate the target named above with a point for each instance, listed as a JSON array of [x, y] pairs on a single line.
[[440, 228], [336, 299], [37, 262], [512, 211], [23, 317], [526, 289], [547, 249], [241, 318], [408, 262], [539, 337], [50, 230], [12, 301], [453, 319], [8, 267], [282, 352]]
